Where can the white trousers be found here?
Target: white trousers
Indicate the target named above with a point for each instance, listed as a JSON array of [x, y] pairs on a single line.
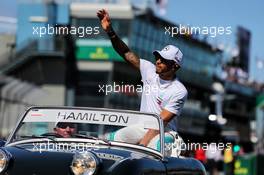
[[133, 134]]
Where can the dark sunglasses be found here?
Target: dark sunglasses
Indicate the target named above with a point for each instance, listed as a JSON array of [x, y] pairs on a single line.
[[164, 61], [64, 125]]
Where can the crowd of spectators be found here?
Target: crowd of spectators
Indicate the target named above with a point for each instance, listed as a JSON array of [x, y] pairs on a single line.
[[238, 75]]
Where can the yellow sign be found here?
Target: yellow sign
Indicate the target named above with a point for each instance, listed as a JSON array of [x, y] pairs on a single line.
[[239, 169], [99, 54]]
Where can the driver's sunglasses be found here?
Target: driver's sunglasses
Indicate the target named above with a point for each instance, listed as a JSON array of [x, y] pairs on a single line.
[[164, 61], [64, 125]]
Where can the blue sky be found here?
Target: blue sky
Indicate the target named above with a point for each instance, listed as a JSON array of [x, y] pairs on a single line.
[[248, 14], [7, 9]]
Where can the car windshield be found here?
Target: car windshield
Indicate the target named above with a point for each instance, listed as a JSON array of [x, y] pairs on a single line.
[[107, 125]]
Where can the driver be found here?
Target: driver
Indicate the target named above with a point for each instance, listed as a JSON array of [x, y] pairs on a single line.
[[65, 129]]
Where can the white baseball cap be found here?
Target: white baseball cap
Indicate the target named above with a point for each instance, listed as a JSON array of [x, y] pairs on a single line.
[[171, 52]]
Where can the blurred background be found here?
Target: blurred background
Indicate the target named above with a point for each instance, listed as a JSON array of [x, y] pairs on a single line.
[[224, 74]]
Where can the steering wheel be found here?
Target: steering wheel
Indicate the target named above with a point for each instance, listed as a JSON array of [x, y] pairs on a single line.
[[51, 134]]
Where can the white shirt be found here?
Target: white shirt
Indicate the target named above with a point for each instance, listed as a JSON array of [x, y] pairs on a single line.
[[160, 94]]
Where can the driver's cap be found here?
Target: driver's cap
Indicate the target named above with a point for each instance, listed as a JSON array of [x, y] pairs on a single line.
[[171, 52]]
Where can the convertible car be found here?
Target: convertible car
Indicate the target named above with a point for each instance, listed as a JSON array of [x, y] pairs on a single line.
[[81, 141]]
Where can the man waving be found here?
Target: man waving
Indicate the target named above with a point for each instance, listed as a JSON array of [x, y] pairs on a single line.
[[169, 94]]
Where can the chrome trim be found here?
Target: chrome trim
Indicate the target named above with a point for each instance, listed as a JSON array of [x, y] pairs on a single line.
[[10, 137], [137, 147], [56, 140], [103, 144], [162, 135]]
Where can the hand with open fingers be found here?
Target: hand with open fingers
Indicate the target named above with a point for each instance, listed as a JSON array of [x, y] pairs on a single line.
[[105, 19]]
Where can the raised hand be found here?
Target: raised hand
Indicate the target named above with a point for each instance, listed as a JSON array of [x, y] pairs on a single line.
[[105, 19]]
